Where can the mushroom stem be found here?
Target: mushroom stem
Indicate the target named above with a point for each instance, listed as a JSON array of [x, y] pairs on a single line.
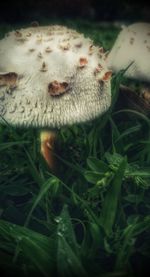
[[48, 139]]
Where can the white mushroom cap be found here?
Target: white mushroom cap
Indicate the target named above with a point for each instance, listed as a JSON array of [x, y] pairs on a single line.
[[132, 45], [51, 76]]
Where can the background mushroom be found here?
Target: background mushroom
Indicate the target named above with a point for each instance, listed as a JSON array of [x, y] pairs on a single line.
[[132, 47], [51, 77]]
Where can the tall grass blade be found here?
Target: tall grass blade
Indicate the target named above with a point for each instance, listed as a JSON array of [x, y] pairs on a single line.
[[6, 145], [127, 243], [36, 249], [66, 229], [68, 252], [44, 189], [110, 205], [39, 255]]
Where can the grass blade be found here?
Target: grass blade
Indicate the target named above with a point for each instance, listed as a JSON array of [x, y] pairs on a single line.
[[39, 255], [68, 254], [44, 189], [36, 249], [129, 235], [110, 204]]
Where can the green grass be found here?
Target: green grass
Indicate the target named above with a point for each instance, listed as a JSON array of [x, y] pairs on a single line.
[[92, 220]]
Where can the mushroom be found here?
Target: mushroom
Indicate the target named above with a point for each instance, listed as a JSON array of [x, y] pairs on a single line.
[[132, 48], [52, 82]]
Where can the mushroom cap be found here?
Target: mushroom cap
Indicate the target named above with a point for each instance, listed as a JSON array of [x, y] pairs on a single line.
[[50, 77], [132, 45]]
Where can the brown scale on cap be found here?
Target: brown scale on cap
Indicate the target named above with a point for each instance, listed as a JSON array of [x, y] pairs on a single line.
[[44, 67], [106, 55], [91, 49], [82, 62], [107, 75], [40, 55], [64, 46], [101, 78], [56, 88], [101, 50], [31, 50], [8, 79], [98, 69], [131, 40], [39, 39], [148, 48], [78, 45], [21, 39], [18, 34], [28, 34], [74, 36], [59, 33], [66, 39], [50, 33], [48, 39], [48, 50]]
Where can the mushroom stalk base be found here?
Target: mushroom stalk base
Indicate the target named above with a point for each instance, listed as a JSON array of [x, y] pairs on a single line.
[[48, 139]]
